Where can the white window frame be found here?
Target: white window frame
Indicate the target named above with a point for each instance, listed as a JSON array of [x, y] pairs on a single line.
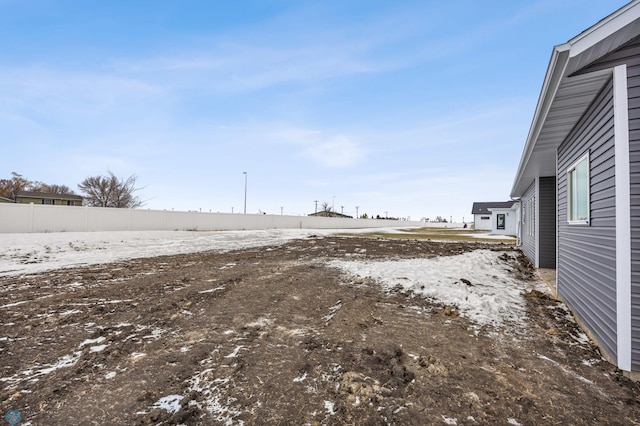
[[570, 169], [531, 225]]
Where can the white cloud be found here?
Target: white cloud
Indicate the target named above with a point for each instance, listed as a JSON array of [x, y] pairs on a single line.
[[323, 147], [337, 151]]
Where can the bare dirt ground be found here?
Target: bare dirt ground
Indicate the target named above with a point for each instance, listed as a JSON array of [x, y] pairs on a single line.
[[275, 336]]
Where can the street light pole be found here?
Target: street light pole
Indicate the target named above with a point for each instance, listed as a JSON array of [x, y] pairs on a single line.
[[357, 207], [245, 192]]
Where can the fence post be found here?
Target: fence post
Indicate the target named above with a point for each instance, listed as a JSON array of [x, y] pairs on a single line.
[[32, 208]]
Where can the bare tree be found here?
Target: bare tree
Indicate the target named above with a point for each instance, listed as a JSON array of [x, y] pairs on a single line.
[[325, 207], [15, 184], [51, 189], [110, 191]]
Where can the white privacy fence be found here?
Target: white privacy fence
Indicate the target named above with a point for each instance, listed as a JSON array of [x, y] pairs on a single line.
[[46, 218]]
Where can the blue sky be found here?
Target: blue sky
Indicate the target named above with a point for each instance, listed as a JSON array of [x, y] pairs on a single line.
[[406, 108]]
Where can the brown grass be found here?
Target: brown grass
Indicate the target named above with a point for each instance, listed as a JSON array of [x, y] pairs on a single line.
[[436, 234]]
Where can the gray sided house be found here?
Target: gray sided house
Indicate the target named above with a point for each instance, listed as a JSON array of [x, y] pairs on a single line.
[[27, 197], [579, 182]]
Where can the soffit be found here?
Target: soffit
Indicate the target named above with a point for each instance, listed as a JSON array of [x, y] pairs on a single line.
[[566, 94]]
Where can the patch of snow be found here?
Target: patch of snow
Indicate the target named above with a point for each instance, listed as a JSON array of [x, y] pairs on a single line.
[[494, 296], [92, 341], [98, 348], [156, 333], [332, 311], [171, 403], [213, 401], [514, 422], [41, 370], [9, 305], [65, 361], [110, 375], [234, 354], [301, 378], [330, 408], [449, 420], [211, 290], [91, 248]]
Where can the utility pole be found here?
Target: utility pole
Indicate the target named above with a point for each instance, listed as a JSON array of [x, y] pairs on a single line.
[[341, 209], [357, 207], [245, 192], [316, 201]]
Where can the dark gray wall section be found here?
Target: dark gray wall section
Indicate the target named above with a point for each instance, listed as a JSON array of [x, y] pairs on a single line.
[[528, 242], [547, 225], [587, 253], [630, 55]]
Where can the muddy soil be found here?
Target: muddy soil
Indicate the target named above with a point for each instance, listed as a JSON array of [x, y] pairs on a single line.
[[274, 336]]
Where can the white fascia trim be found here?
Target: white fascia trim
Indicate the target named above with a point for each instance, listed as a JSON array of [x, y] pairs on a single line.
[[623, 217], [606, 27], [553, 78]]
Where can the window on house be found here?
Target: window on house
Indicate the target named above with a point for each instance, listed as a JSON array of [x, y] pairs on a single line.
[[578, 191], [501, 219], [47, 201]]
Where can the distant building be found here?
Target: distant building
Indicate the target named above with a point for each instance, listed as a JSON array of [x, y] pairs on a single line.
[[27, 197], [501, 218], [330, 214]]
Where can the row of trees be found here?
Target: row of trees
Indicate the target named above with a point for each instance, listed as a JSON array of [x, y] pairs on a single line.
[[98, 191]]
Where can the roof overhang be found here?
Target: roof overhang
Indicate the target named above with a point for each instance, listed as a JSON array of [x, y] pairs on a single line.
[[565, 95]]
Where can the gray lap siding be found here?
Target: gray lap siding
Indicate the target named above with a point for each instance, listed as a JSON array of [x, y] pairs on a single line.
[[633, 84], [629, 55], [586, 270]]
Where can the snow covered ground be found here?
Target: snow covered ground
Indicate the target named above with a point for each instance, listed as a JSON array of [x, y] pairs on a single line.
[[492, 297], [40, 252]]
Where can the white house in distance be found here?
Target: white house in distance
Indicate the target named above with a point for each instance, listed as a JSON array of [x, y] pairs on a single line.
[[500, 218]]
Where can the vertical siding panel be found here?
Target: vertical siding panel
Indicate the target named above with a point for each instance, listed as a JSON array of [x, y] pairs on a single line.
[[547, 228], [587, 254]]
